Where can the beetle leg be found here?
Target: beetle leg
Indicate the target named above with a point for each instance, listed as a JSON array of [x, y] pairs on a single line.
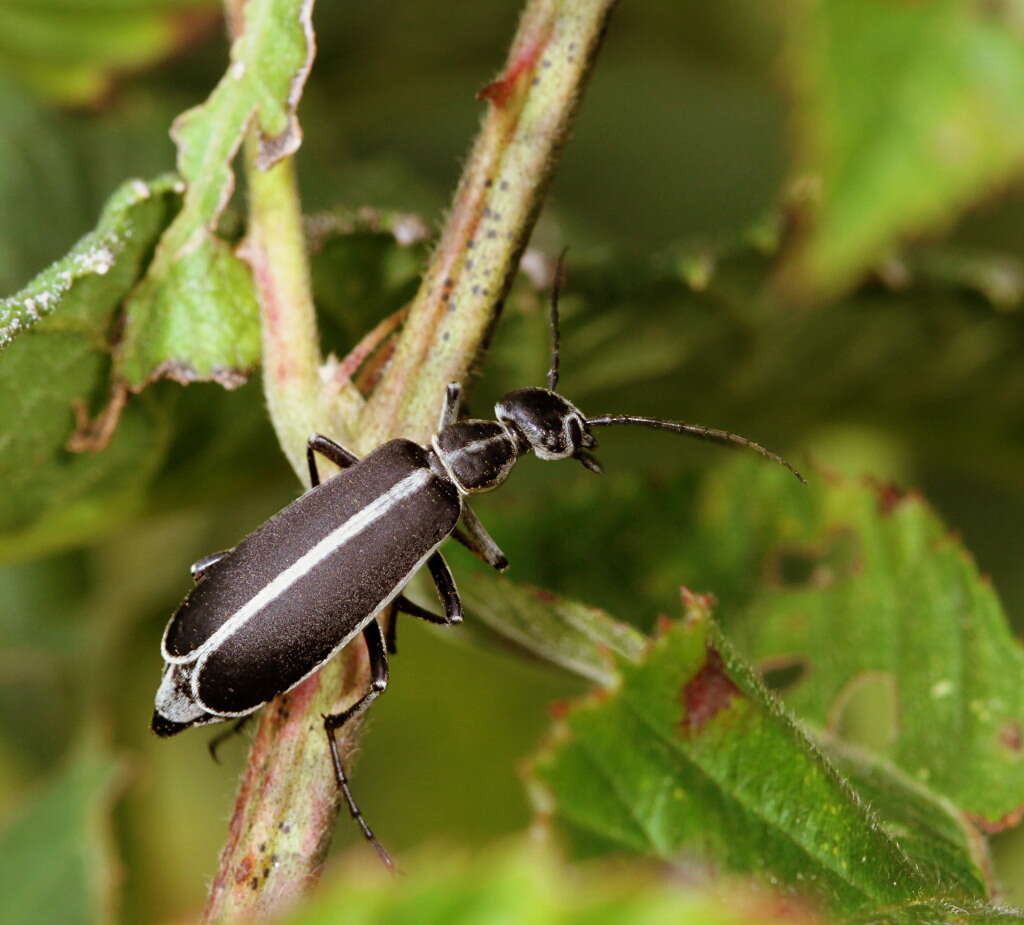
[[391, 627], [402, 604], [478, 541], [450, 409], [379, 674], [335, 452], [197, 568], [221, 737], [446, 589]]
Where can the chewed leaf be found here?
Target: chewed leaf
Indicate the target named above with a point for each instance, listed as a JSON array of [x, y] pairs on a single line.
[[195, 315], [905, 647], [201, 321], [106, 262], [691, 757]]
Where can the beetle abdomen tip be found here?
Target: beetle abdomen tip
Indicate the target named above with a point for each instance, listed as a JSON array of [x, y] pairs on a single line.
[[164, 727]]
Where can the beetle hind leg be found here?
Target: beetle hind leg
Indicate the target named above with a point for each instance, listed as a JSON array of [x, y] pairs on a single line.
[[332, 722]]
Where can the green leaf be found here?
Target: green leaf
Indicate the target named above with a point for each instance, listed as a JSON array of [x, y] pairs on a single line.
[[691, 756], [521, 886], [908, 112], [896, 640], [71, 51], [195, 316], [56, 335], [56, 862], [928, 827], [575, 637], [936, 912]]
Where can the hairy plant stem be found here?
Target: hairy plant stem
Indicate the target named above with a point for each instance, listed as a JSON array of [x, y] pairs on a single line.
[[499, 195], [287, 802]]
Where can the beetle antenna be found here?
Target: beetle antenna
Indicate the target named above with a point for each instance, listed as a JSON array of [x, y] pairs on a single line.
[[556, 286], [693, 430]]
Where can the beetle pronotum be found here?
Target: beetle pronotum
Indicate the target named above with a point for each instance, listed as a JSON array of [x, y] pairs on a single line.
[[266, 614]]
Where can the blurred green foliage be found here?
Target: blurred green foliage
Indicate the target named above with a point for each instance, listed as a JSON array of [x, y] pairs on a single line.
[[678, 193]]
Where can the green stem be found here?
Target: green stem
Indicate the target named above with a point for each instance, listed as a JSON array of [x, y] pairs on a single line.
[[275, 250], [287, 801]]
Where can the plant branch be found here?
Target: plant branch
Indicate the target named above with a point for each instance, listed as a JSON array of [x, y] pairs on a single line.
[[287, 801], [532, 104]]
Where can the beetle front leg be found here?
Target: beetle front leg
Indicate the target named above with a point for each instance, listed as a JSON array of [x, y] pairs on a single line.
[[478, 541], [326, 447], [332, 722], [445, 584]]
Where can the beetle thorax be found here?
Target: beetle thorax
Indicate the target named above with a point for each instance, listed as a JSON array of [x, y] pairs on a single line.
[[477, 455]]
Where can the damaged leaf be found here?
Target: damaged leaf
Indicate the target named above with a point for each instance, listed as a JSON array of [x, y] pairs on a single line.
[[195, 316], [55, 361], [690, 757], [906, 648]]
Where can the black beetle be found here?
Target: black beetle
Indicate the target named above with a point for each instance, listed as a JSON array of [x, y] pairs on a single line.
[[268, 613]]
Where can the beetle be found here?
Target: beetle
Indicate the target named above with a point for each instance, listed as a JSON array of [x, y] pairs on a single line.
[[265, 615]]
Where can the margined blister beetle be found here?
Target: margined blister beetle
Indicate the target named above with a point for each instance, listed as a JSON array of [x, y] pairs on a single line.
[[267, 614]]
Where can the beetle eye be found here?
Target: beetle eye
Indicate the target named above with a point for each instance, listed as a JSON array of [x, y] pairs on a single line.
[[575, 432]]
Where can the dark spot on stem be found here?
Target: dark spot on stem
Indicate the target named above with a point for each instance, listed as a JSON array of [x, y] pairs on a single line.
[[244, 869]]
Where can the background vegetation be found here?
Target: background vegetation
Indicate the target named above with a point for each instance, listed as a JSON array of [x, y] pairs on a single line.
[[803, 226]]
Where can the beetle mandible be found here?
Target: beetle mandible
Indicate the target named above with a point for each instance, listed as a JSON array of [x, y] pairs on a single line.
[[266, 614]]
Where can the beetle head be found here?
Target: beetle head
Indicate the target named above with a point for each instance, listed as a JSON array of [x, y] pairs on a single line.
[[552, 426]]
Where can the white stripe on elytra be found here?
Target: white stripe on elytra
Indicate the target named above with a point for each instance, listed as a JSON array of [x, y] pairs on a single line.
[[196, 677], [309, 560]]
